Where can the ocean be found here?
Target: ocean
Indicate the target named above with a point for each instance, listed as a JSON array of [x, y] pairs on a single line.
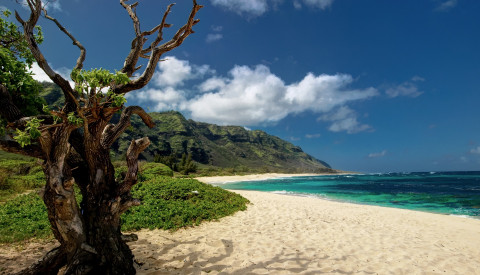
[[452, 193]]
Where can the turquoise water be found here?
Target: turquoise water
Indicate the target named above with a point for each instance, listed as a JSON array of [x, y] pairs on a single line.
[[456, 193]]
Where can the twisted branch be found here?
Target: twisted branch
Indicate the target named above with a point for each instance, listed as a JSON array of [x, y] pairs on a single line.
[[81, 58], [155, 51], [28, 27], [112, 132]]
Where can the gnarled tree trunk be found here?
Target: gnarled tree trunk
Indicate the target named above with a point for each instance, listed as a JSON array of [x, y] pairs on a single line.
[[75, 151]]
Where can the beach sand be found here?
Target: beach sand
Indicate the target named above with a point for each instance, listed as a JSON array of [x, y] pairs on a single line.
[[224, 179], [281, 234]]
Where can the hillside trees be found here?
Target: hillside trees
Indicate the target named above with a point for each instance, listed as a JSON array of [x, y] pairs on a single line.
[[74, 141]]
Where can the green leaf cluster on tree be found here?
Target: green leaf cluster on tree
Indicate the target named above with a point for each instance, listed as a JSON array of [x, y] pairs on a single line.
[[15, 62]]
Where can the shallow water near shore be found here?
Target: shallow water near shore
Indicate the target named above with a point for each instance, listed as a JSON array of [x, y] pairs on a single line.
[[454, 193]]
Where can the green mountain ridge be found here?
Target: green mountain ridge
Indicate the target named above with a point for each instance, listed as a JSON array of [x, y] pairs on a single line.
[[220, 146], [209, 144]]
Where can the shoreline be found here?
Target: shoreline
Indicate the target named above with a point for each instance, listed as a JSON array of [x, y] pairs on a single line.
[[281, 234], [220, 180], [259, 177]]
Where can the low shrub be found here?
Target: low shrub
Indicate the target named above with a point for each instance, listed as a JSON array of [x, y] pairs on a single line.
[[167, 203], [23, 218]]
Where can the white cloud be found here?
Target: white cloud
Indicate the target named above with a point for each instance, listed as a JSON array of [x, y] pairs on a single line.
[[475, 150], [174, 72], [213, 83], [248, 7], [51, 5], [248, 97], [252, 96], [324, 92], [39, 74], [163, 99], [377, 155], [407, 88], [212, 37], [447, 5], [254, 8], [313, 135], [344, 119]]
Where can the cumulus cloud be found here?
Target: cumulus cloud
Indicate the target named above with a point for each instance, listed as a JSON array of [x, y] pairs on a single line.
[[475, 150], [344, 119], [252, 96], [407, 88], [447, 5], [377, 155], [253, 8], [174, 72]]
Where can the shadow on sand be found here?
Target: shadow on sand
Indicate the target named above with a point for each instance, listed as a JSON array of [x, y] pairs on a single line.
[[149, 260]]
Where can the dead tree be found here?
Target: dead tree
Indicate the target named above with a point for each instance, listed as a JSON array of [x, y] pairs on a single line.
[[74, 144]]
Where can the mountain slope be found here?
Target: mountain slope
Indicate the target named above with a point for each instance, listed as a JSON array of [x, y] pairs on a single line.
[[209, 144], [221, 146]]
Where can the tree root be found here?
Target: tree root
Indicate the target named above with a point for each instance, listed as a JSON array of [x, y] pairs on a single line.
[[49, 264]]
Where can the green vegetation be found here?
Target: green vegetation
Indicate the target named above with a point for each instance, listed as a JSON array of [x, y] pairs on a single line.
[[167, 203], [216, 148], [15, 60], [170, 203], [185, 165], [23, 218], [18, 174]]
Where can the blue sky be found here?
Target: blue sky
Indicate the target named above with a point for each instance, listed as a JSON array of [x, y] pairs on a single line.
[[365, 85]]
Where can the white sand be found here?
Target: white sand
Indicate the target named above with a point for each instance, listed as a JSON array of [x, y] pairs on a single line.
[[225, 179], [281, 234]]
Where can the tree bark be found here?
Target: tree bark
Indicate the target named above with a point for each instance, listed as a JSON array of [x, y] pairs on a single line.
[[89, 234]]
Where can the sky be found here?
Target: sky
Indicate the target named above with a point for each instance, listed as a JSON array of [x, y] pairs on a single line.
[[365, 85]]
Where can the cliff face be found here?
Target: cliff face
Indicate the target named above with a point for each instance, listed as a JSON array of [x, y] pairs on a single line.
[[221, 146]]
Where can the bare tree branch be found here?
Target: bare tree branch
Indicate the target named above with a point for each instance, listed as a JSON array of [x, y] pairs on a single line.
[[112, 132], [81, 58], [155, 51], [137, 43], [28, 27], [135, 148], [160, 31]]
